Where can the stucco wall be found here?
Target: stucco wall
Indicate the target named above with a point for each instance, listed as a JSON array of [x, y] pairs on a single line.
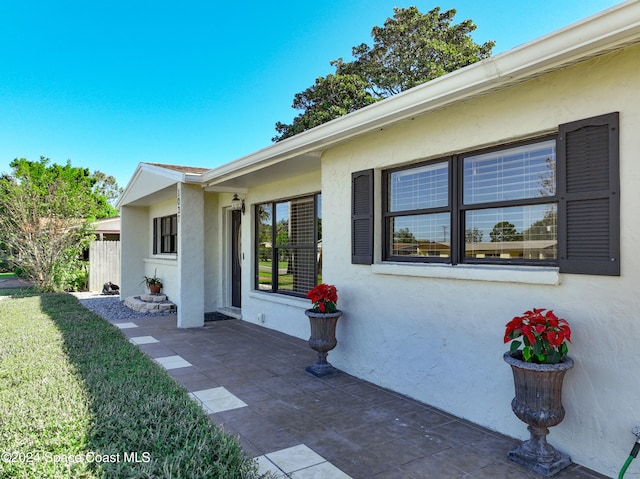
[[432, 334], [134, 247], [190, 281], [163, 265]]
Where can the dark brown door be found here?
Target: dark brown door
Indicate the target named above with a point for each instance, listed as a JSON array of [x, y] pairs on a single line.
[[236, 252]]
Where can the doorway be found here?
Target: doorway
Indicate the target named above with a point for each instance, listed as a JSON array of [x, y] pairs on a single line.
[[236, 257]]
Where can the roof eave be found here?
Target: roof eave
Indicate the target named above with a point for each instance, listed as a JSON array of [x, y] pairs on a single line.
[[176, 176], [611, 29]]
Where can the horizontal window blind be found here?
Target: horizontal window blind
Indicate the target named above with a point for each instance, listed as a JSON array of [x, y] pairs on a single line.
[[515, 173], [418, 188]]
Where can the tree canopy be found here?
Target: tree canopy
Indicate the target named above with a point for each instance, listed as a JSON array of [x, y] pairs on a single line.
[[46, 216], [411, 48]]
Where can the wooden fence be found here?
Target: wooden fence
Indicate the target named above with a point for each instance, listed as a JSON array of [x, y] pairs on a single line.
[[104, 264]]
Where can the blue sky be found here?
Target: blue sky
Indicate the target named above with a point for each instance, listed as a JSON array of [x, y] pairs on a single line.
[[108, 84]]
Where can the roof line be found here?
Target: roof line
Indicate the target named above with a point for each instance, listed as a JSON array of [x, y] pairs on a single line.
[[611, 29]]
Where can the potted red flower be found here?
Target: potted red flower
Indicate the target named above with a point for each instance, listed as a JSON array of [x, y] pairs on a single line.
[[323, 317], [538, 372], [544, 336], [324, 298]]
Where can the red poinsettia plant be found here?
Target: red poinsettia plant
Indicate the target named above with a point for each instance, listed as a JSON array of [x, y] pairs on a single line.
[[543, 334], [324, 298]]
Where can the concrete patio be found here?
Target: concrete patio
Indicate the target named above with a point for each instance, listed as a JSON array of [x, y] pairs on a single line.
[[252, 382]]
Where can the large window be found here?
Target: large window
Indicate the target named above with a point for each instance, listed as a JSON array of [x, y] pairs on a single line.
[[165, 234], [289, 245], [506, 207], [549, 201]]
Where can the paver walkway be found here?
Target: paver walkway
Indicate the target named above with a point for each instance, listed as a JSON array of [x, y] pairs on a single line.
[[252, 382]]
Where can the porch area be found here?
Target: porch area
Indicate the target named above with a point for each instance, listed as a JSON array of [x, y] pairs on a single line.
[[252, 382]]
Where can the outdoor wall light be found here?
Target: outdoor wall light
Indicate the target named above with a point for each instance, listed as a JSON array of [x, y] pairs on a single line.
[[237, 204]]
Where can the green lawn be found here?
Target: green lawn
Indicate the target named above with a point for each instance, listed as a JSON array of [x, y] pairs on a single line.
[[78, 400], [285, 281]]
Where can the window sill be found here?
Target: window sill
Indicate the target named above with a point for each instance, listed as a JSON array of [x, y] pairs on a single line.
[[280, 299], [168, 259], [494, 273]]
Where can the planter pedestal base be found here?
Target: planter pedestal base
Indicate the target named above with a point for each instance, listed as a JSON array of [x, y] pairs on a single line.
[[321, 368], [538, 455]]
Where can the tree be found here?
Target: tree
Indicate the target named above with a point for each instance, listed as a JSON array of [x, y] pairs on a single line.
[[411, 48], [107, 186], [404, 235], [544, 229], [473, 235], [46, 216], [331, 97], [503, 232]]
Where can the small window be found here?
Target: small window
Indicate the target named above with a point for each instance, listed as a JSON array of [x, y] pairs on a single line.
[[165, 234], [289, 245]]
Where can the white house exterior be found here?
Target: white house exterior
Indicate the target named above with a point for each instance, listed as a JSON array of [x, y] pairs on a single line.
[[424, 313]]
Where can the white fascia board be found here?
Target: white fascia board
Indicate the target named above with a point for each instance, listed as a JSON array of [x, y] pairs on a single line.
[[163, 172], [176, 176], [127, 189], [611, 29]]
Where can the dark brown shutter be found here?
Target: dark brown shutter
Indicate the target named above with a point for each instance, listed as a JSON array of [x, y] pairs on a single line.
[[362, 217], [588, 185], [156, 232]]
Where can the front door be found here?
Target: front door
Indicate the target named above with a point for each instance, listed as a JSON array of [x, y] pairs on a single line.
[[236, 252]]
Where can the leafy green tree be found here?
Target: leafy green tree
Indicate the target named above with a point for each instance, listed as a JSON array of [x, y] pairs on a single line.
[[473, 235], [46, 216], [411, 48], [107, 186], [330, 97], [544, 229], [404, 235], [503, 232]]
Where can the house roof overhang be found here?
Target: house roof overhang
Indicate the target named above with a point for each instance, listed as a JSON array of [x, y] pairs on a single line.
[[607, 31], [153, 183], [108, 225]]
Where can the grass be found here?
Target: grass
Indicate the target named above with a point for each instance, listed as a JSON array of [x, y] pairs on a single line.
[[285, 281], [78, 400]]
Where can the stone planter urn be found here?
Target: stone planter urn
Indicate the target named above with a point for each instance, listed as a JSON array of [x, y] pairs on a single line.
[[323, 339], [538, 403]]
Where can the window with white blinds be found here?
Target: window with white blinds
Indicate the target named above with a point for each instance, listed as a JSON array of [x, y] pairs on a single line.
[[289, 245], [418, 188], [418, 217], [494, 206], [515, 173], [509, 203]]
